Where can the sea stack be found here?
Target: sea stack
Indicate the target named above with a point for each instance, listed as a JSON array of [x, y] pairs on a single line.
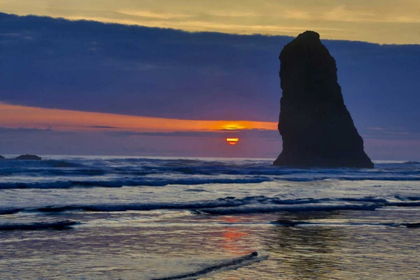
[[315, 125]]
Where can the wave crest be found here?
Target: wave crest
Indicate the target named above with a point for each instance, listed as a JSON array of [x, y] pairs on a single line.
[[60, 225], [232, 205]]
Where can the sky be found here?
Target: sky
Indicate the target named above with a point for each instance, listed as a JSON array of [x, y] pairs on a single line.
[[153, 91], [379, 21]]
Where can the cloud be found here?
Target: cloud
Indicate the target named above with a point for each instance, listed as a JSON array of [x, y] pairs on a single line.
[[344, 14], [22, 130], [151, 14], [226, 13], [103, 127], [14, 116], [174, 75], [382, 21], [221, 134]]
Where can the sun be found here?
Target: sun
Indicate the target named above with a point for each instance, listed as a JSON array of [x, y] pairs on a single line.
[[232, 140]]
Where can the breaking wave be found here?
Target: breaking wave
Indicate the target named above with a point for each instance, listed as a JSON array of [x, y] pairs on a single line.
[[150, 182], [412, 162], [60, 225], [232, 205], [118, 172], [291, 223]]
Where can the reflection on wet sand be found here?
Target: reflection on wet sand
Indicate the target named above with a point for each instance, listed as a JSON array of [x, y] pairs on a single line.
[[233, 238], [307, 252]]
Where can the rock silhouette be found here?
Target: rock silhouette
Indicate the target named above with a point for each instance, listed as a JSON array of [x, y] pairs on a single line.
[[315, 125], [28, 157]]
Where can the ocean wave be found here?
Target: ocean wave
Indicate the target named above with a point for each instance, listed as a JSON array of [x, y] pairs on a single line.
[[232, 205], [142, 207], [161, 182], [39, 163], [275, 200], [394, 173], [10, 211], [407, 198], [231, 264], [121, 172], [402, 177], [290, 223], [412, 162], [60, 225], [404, 204], [412, 225], [199, 167], [152, 182], [273, 209], [51, 173]]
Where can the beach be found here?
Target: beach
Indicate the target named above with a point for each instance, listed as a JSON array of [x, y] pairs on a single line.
[[166, 218]]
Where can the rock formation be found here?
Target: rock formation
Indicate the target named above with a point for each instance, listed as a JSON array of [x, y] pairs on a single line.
[[28, 157], [315, 125]]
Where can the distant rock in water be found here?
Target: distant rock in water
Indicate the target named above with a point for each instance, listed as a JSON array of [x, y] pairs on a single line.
[[315, 125], [2, 157], [28, 157]]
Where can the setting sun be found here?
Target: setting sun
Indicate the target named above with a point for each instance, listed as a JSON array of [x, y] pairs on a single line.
[[232, 141]]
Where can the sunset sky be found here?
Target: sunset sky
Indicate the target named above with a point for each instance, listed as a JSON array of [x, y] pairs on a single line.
[[380, 21], [145, 86]]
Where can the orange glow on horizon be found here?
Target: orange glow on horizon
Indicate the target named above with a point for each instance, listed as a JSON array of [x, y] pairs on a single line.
[[235, 126], [232, 141], [16, 116]]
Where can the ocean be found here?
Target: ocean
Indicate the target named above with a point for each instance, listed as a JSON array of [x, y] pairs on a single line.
[[206, 218]]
